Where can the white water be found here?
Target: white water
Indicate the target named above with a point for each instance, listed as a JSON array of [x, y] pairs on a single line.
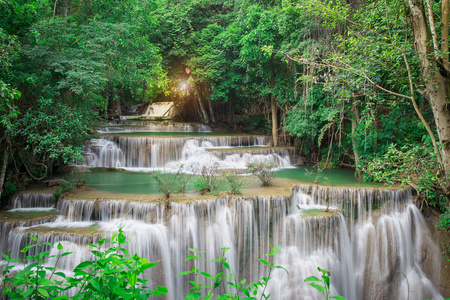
[[28, 200], [143, 154], [160, 109], [366, 249]]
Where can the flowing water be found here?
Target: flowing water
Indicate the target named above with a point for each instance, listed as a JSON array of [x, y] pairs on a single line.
[[374, 241], [378, 239]]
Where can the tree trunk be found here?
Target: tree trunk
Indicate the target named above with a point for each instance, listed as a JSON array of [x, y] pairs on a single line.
[[211, 111], [436, 85], [355, 121], [200, 102], [273, 104], [445, 32], [5, 164]]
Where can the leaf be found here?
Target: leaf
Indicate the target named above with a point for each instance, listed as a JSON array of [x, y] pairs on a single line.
[[280, 267], [82, 266], [193, 296], [148, 266], [338, 297], [184, 273], [61, 274], [265, 262], [162, 289], [207, 275], [95, 284], [320, 288], [43, 292], [312, 278]]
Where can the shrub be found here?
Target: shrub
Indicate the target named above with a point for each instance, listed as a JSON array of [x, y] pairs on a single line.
[[236, 182], [263, 170], [74, 180], [208, 179], [169, 183]]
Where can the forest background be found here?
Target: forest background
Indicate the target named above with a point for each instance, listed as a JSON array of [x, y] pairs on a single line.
[[361, 84]]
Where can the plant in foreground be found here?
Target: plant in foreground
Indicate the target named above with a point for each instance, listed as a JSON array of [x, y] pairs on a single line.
[[113, 274], [225, 285], [324, 287], [34, 281]]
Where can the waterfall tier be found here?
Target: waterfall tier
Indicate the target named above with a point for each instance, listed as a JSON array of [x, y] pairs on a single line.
[[146, 126], [372, 239], [190, 153]]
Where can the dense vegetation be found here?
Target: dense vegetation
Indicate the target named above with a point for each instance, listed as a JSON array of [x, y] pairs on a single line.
[[351, 83]]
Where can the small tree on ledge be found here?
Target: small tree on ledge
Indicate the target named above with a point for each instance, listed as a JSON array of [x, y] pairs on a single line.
[[264, 170]]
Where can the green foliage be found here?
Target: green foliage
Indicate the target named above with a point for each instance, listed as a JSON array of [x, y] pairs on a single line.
[[323, 284], [237, 289], [444, 221], [10, 189], [52, 130], [263, 170], [8, 110], [412, 165], [31, 282], [170, 182], [253, 123], [113, 274], [74, 180], [207, 180], [236, 182]]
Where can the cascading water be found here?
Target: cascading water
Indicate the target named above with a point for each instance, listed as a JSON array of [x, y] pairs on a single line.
[[160, 109], [375, 242], [192, 153]]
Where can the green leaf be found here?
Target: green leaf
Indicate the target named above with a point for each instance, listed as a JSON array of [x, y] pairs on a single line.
[[148, 266], [338, 297], [82, 266], [265, 262], [162, 289], [280, 267], [43, 292], [207, 275], [320, 288], [184, 273], [312, 278], [95, 284], [193, 296]]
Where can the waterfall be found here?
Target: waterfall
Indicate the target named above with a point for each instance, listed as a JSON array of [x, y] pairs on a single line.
[[140, 153], [160, 109], [27, 200], [373, 240]]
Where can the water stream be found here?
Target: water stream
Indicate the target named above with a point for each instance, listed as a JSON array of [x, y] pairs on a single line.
[[374, 241]]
